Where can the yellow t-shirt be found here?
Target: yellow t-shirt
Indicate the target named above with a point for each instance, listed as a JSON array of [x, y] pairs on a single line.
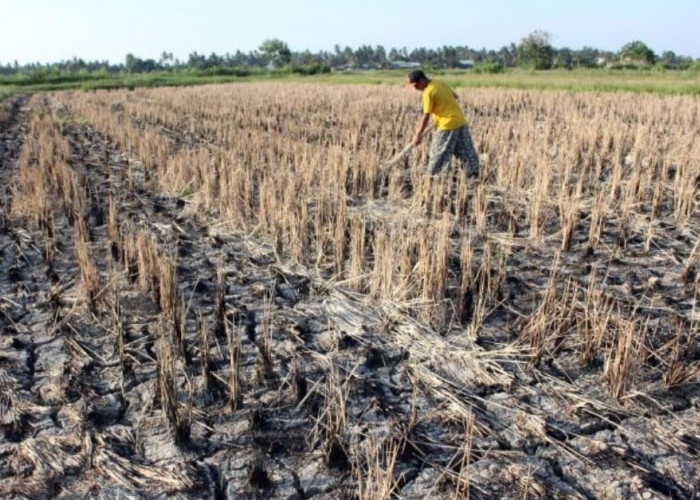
[[439, 100]]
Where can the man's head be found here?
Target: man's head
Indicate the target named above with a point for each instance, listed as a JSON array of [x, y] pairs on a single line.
[[418, 80]]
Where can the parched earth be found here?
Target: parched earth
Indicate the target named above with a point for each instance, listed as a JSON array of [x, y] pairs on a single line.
[[332, 386]]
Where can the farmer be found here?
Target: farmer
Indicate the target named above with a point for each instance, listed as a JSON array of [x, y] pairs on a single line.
[[452, 136]]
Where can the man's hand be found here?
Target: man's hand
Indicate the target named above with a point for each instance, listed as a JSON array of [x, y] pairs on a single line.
[[422, 124]]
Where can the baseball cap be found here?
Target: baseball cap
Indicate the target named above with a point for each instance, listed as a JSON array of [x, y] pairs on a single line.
[[415, 76]]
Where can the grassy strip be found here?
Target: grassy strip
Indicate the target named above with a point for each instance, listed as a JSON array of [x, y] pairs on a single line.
[[151, 80], [600, 80], [7, 91], [665, 83]]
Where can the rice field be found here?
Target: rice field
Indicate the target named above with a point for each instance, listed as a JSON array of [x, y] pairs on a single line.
[[231, 291]]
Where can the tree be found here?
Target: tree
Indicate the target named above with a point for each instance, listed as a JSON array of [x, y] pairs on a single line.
[[379, 57], [638, 52], [564, 58], [349, 56], [364, 55], [132, 63], [165, 58], [536, 50], [448, 56], [586, 57], [305, 57], [214, 60], [275, 51], [136, 65], [669, 59], [196, 61]]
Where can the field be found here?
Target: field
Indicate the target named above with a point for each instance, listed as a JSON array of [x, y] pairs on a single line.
[[640, 81], [225, 291], [580, 80]]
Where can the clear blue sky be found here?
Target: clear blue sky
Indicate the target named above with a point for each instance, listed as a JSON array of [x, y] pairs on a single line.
[[53, 30]]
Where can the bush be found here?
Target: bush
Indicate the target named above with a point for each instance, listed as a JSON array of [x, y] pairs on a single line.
[[430, 68], [6, 92], [627, 66], [490, 68], [224, 71], [313, 68]]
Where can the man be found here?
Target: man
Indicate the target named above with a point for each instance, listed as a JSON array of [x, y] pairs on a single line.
[[452, 136]]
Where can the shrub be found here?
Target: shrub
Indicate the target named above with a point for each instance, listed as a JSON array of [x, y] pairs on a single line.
[[490, 68], [224, 71], [313, 68], [627, 66]]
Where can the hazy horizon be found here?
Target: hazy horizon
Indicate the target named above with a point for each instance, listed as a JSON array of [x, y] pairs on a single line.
[[50, 31]]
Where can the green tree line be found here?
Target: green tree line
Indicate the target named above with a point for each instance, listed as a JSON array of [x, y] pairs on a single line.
[[533, 51]]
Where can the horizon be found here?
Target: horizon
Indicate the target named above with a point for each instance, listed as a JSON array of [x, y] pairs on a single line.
[[108, 32]]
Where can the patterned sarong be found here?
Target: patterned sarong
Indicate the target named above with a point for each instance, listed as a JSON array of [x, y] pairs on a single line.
[[457, 142]]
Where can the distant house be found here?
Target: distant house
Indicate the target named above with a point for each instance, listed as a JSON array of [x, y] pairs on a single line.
[[465, 63], [404, 64]]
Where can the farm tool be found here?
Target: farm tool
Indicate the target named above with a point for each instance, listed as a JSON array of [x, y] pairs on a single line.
[[384, 167]]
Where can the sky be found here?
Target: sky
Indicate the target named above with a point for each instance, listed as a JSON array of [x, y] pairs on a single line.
[[53, 30]]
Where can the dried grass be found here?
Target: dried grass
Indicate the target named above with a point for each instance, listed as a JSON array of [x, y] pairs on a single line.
[[374, 468], [564, 178]]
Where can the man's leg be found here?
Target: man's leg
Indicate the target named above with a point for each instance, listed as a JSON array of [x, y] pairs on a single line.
[[441, 149], [465, 151]]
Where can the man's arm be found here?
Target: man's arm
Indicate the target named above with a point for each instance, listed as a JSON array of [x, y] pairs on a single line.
[[422, 124]]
